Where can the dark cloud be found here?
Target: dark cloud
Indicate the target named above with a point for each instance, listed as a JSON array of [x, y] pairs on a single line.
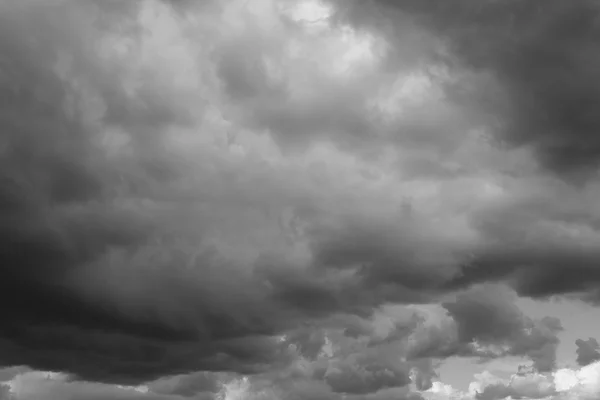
[[398, 259], [75, 220], [587, 351], [524, 72], [540, 53], [486, 313], [145, 228], [107, 245], [486, 322], [530, 240], [369, 365], [541, 241]]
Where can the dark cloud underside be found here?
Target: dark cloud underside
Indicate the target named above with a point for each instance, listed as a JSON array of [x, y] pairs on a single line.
[[195, 190]]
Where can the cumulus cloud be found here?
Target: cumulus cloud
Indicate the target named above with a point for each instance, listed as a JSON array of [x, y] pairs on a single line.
[[500, 66], [562, 384], [128, 204], [195, 191], [485, 322], [513, 41], [582, 383], [90, 244], [530, 386]]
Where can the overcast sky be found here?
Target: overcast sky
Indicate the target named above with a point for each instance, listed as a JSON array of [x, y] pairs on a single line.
[[300, 200]]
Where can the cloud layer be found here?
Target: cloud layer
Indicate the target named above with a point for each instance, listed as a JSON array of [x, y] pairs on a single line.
[[327, 198]]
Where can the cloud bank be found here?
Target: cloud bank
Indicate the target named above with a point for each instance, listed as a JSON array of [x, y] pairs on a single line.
[[296, 199]]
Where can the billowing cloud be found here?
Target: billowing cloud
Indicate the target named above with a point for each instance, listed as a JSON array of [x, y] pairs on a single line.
[[502, 75], [485, 322], [214, 197], [541, 102], [583, 383], [85, 168], [562, 384], [529, 386], [129, 204]]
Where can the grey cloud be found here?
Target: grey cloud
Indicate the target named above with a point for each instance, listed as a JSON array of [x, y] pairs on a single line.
[[484, 316], [75, 237], [523, 74], [309, 340], [6, 374], [587, 351], [4, 392], [540, 53], [398, 260], [539, 239], [359, 367], [300, 105], [524, 242], [424, 373], [521, 241], [390, 394], [359, 378], [488, 314], [261, 103], [105, 248], [41, 385], [124, 258]]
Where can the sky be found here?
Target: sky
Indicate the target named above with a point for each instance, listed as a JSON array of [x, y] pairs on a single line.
[[299, 199]]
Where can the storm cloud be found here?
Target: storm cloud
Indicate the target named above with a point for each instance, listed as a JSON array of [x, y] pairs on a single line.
[[524, 73], [485, 322], [209, 197]]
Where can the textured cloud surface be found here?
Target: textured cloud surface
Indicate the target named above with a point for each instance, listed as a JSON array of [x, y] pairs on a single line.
[[293, 199]]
